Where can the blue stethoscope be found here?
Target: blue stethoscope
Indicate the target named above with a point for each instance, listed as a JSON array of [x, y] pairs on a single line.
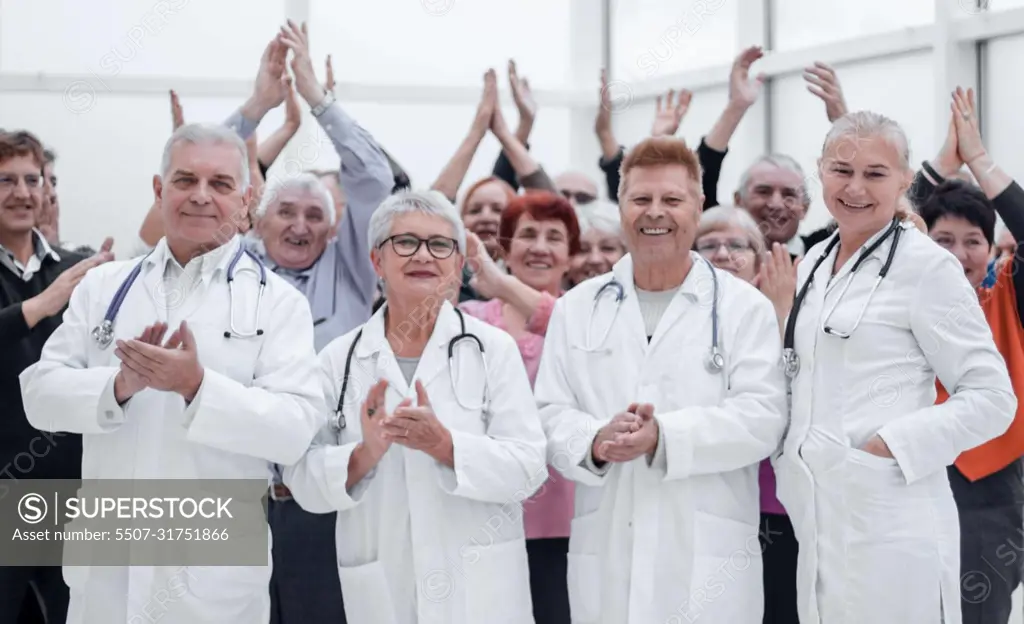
[[338, 422], [715, 361], [103, 333]]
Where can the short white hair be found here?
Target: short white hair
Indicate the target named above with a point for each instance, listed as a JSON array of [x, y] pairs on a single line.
[[780, 161], [722, 217], [600, 215], [303, 182], [865, 124], [207, 134], [405, 202]]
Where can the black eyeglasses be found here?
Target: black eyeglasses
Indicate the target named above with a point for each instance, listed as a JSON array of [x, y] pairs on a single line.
[[407, 245]]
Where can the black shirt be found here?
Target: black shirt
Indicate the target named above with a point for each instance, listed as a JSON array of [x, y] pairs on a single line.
[[26, 452]]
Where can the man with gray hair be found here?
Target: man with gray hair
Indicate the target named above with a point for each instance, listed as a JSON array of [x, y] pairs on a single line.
[[230, 392], [773, 189]]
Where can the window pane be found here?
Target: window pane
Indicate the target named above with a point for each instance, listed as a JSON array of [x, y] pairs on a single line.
[[799, 124], [660, 37], [104, 38], [972, 6], [803, 23], [441, 42], [106, 158], [634, 124], [1002, 123]]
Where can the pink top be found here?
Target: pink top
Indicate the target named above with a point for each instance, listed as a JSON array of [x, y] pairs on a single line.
[[769, 504], [548, 513]]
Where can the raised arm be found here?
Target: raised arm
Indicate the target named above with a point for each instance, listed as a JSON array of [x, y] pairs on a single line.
[[491, 282], [611, 152], [451, 177], [365, 173], [273, 145], [743, 93], [268, 93], [531, 175], [522, 95]]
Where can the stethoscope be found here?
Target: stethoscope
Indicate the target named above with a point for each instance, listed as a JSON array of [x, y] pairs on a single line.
[[790, 360], [715, 361], [103, 333], [338, 421]]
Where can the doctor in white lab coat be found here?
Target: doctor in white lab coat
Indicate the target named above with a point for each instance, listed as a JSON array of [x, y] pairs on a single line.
[[665, 449], [428, 485], [862, 472], [196, 406]]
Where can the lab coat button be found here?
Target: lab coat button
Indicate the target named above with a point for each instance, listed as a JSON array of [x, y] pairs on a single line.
[[110, 415]]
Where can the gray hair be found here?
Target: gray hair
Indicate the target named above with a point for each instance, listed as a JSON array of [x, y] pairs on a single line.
[[600, 215], [724, 216], [406, 202], [207, 134], [303, 182], [781, 161], [864, 124]]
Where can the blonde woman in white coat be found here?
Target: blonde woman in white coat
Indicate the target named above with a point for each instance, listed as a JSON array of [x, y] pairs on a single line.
[[881, 312]]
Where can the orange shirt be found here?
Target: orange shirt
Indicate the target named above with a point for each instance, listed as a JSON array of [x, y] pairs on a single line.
[[1000, 306]]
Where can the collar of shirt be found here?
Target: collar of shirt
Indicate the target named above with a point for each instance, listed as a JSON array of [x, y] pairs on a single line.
[[41, 250], [203, 266]]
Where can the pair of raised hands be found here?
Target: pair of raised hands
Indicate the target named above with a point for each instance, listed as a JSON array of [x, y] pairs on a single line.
[[488, 112]]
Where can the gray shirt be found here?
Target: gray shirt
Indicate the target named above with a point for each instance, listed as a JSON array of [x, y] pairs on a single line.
[[408, 367], [340, 285]]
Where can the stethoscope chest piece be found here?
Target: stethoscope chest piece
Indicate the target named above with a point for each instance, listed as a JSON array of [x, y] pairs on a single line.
[[715, 361], [103, 334], [790, 363]]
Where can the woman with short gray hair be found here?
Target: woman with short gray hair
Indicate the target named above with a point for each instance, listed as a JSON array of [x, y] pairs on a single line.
[[435, 434]]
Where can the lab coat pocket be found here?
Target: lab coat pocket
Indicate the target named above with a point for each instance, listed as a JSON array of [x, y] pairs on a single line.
[[498, 584], [871, 460], [227, 583], [367, 594], [726, 584], [584, 580]]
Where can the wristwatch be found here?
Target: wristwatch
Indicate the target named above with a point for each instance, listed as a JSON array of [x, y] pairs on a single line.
[[323, 105]]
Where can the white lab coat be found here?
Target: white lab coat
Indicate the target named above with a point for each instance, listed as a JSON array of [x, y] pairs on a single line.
[[879, 538], [677, 540], [260, 402], [418, 542]]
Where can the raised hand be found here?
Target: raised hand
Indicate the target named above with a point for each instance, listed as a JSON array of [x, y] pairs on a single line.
[[488, 103], [270, 88], [948, 161], [329, 78], [498, 125], [487, 277], [292, 112], [296, 39], [177, 116], [668, 117], [603, 122], [822, 81], [743, 90], [52, 300], [521, 94], [965, 120]]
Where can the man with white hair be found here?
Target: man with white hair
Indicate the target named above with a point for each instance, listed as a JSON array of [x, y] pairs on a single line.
[[196, 405]]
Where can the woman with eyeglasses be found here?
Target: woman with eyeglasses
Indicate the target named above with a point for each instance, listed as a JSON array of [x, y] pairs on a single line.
[[437, 437], [881, 311], [539, 233], [731, 240]]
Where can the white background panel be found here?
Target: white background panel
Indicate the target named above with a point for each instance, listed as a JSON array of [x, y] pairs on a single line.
[[799, 124], [1003, 125], [654, 38], [104, 38], [634, 124], [442, 42], [803, 23]]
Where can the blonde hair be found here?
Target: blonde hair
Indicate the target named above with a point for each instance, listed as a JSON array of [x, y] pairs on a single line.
[[866, 124]]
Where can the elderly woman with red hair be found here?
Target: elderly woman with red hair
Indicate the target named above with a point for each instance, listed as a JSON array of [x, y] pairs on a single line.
[[538, 233]]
